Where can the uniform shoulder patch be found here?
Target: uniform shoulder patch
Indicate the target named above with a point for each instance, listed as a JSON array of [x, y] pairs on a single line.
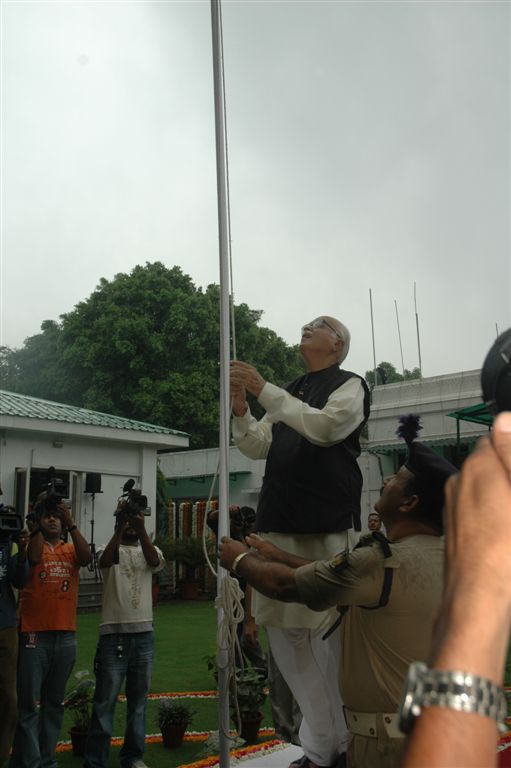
[[339, 562]]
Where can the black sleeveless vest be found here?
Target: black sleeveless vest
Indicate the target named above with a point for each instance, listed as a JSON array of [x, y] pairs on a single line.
[[308, 489]]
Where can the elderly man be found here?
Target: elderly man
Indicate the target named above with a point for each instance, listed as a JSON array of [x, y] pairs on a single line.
[[389, 590], [309, 499]]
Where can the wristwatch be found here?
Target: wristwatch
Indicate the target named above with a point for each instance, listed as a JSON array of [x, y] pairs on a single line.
[[460, 691]]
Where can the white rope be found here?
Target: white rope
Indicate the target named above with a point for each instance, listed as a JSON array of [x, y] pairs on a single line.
[[230, 600]]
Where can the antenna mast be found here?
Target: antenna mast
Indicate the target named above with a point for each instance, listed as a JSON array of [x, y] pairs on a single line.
[[372, 331], [417, 326], [399, 336]]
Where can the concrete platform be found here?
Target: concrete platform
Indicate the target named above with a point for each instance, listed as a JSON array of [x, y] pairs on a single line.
[[279, 759]]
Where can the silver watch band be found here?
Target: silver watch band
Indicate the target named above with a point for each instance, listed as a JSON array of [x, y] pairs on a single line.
[[463, 692]]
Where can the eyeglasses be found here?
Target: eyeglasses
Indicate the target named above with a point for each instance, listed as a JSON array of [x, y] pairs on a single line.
[[320, 322]]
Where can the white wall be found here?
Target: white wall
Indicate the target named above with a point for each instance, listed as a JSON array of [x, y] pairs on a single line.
[[433, 398], [115, 462]]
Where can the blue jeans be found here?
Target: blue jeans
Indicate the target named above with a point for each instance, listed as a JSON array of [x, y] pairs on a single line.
[[46, 660], [121, 656]]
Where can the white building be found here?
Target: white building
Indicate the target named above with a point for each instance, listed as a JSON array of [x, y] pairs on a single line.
[[434, 399], [190, 473], [36, 434]]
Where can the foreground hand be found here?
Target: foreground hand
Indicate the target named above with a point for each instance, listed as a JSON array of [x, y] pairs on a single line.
[[478, 516], [246, 376], [228, 549]]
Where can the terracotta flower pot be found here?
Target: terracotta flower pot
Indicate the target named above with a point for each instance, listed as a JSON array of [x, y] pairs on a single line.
[[78, 740], [173, 735], [250, 727]]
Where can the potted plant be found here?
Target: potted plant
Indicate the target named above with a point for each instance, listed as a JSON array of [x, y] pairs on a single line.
[[79, 702], [250, 693], [212, 665], [173, 718], [189, 551]]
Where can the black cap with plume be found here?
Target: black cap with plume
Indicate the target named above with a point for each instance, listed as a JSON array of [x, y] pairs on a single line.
[[430, 469]]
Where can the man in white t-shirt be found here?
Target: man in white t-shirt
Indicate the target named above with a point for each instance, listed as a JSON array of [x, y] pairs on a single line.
[[125, 649]]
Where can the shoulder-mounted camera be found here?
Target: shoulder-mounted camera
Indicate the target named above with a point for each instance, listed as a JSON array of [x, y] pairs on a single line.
[[54, 491], [132, 501]]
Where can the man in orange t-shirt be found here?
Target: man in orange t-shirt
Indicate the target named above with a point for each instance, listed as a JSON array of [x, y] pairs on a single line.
[[48, 642]]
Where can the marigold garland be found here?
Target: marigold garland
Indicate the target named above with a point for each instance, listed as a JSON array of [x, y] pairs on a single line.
[[155, 738], [238, 754], [178, 695], [266, 747]]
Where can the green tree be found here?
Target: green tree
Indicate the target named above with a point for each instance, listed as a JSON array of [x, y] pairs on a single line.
[[386, 373], [415, 373], [9, 368], [145, 345]]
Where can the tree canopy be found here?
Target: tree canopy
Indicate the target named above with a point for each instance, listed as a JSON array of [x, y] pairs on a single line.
[[386, 373], [145, 345]]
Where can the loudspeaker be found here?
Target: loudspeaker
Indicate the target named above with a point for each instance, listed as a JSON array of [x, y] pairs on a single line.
[[93, 482]]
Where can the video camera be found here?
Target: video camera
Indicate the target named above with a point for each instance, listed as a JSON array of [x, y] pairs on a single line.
[[131, 501], [54, 492]]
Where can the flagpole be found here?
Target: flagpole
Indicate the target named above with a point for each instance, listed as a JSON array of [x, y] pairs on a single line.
[[223, 235]]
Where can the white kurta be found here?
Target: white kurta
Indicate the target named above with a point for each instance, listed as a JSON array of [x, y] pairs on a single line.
[[340, 416]]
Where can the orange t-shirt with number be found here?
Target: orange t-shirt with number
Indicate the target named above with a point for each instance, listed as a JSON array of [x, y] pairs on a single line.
[[48, 602]]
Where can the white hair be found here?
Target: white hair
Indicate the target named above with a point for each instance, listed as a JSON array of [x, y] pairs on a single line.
[[346, 339]]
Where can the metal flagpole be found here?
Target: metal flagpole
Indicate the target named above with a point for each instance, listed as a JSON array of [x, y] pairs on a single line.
[[223, 235], [399, 335], [417, 326], [372, 331]]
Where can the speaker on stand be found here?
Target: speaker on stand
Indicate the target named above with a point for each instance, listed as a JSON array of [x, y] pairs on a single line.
[[93, 486]]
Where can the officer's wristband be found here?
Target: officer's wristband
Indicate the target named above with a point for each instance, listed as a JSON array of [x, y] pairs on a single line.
[[73, 528]]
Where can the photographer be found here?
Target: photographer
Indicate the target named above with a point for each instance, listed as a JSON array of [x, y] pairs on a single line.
[[125, 648], [48, 631], [13, 575]]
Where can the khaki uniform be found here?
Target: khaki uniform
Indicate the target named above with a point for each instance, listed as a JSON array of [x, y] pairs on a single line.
[[377, 646]]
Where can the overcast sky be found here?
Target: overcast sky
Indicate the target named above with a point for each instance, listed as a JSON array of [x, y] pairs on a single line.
[[369, 147]]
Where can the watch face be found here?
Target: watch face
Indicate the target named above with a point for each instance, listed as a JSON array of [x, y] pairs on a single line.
[[410, 707]]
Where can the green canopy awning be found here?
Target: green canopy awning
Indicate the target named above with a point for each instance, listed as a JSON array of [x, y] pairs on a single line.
[[477, 414]]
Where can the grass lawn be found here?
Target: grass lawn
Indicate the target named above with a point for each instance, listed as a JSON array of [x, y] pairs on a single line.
[[185, 632]]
